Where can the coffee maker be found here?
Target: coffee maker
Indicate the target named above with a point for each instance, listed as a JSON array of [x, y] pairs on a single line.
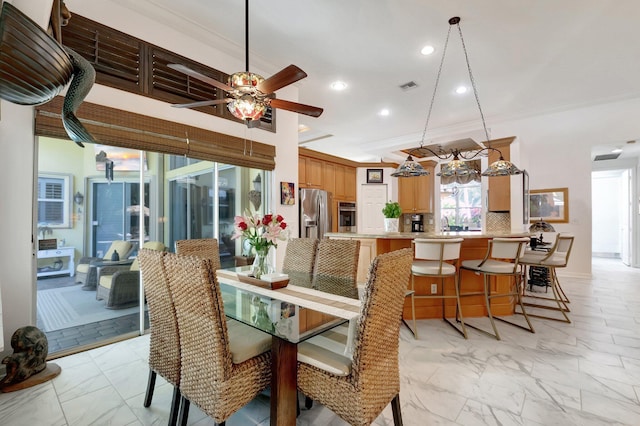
[[417, 223]]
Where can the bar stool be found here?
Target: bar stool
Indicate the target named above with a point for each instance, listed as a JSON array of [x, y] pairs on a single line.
[[501, 259], [557, 257], [437, 258]]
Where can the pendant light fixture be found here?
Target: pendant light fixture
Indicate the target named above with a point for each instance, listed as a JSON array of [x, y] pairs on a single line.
[[456, 167]]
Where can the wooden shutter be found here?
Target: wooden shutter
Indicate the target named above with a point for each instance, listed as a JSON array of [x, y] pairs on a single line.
[[124, 62]]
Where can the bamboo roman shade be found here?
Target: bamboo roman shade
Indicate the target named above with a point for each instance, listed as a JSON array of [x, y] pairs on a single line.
[[110, 126]]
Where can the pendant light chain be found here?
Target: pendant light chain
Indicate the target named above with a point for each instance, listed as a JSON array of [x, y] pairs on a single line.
[[435, 88], [473, 82], [457, 167]]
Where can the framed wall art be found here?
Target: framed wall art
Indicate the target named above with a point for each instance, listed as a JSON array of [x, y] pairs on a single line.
[[287, 193], [374, 175], [550, 205]]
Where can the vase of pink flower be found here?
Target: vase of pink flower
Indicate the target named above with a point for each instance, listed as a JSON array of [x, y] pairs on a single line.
[[262, 233]]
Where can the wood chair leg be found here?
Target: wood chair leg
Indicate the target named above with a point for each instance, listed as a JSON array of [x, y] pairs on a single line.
[[397, 412], [184, 411], [151, 384], [175, 406], [308, 403]]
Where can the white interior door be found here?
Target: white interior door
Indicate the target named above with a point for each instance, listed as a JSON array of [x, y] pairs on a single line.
[[373, 199]]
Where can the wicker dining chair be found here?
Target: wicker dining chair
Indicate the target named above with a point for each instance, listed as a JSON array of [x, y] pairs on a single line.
[[336, 268], [358, 389], [164, 345], [300, 255], [206, 248], [224, 363]]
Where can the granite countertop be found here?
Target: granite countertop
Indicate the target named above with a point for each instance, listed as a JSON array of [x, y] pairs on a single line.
[[412, 235]]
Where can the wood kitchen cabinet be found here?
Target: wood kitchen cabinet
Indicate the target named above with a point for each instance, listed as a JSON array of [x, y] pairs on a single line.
[[310, 172], [345, 183], [367, 254], [499, 196], [350, 183], [415, 194], [329, 178]]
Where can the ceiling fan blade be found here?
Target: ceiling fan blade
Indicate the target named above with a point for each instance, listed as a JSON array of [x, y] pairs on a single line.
[[201, 77], [202, 103], [296, 107], [282, 78]]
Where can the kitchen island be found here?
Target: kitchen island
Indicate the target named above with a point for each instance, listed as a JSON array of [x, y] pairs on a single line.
[[474, 246]]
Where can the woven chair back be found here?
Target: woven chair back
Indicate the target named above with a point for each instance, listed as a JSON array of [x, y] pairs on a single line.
[[164, 347], [206, 248], [375, 356], [300, 255], [338, 258], [206, 359], [152, 245]]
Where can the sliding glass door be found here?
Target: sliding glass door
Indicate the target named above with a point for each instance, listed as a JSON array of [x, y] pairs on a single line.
[[116, 214]]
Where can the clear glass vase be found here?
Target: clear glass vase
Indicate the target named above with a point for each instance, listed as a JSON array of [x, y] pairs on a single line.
[[262, 263]]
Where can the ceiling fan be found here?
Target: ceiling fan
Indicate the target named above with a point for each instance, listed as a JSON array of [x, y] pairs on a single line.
[[250, 94]]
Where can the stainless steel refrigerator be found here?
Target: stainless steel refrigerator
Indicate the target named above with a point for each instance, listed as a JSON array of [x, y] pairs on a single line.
[[315, 213]]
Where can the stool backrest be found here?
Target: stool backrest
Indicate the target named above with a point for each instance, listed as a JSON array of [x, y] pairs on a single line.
[[564, 244], [508, 248], [437, 248]]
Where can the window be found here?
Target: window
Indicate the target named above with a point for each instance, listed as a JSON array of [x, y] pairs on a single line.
[[54, 200], [461, 205]]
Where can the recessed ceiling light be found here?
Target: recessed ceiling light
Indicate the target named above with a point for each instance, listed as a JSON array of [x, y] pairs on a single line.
[[428, 50], [384, 112], [461, 90], [338, 85], [303, 128], [616, 150]]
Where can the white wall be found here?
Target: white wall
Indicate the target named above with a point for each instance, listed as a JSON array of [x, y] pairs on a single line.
[[606, 214], [17, 279], [556, 151]]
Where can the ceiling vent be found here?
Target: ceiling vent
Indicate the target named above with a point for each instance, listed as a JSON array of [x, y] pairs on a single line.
[[409, 85], [606, 157]]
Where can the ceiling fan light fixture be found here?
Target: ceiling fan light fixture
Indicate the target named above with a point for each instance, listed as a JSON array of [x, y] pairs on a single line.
[[410, 168], [247, 107], [245, 82]]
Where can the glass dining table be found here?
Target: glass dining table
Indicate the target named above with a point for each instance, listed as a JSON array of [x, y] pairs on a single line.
[[307, 306]]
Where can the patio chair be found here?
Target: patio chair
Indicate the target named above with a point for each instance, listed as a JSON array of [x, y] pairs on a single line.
[[119, 285], [86, 272]]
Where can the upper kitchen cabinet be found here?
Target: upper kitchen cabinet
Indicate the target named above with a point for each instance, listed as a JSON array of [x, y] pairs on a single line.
[[333, 174], [415, 194], [310, 172], [345, 183], [499, 197]]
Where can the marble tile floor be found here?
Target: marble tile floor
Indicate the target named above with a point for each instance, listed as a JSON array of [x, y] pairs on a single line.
[[583, 373]]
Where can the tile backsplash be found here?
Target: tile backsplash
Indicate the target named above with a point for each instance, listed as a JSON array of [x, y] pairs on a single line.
[[497, 222]]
